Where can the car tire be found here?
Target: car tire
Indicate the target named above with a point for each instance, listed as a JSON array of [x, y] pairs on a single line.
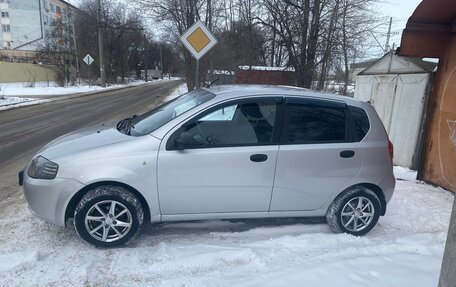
[[108, 216], [356, 211]]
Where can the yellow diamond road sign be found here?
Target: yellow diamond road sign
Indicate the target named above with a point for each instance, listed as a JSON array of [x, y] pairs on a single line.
[[198, 40]]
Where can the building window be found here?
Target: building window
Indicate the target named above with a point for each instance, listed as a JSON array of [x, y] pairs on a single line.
[[6, 28], [46, 20], [52, 7], [5, 14]]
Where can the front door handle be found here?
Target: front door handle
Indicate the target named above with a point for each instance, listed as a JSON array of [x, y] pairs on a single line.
[[258, 157], [347, 154]]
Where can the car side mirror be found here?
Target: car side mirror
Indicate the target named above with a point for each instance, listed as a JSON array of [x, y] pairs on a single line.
[[183, 140]]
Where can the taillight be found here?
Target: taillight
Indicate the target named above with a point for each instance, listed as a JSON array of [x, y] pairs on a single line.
[[391, 149]]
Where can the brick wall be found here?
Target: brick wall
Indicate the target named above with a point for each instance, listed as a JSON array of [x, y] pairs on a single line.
[[265, 77]]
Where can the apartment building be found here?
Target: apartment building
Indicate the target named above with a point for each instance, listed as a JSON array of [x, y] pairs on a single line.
[[28, 25]]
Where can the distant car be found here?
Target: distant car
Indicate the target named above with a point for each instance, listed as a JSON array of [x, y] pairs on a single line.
[[226, 152]]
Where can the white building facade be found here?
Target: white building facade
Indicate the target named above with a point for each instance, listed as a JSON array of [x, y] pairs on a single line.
[[30, 24]]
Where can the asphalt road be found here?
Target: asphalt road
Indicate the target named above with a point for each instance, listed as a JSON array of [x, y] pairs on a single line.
[[25, 130]]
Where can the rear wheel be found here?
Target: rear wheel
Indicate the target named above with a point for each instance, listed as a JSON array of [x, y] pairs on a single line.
[[356, 211], [108, 216]]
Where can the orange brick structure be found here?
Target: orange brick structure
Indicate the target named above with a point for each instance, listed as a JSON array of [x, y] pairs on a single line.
[[431, 32], [265, 75]]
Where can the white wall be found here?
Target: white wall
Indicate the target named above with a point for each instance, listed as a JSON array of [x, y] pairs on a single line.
[[399, 101]]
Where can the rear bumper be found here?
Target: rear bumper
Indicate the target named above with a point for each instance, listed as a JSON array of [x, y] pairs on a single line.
[[387, 184], [48, 199]]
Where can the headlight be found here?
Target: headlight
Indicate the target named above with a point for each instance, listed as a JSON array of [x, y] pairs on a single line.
[[42, 168]]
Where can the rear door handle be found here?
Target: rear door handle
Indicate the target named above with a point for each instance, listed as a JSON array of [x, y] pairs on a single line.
[[347, 154], [258, 157]]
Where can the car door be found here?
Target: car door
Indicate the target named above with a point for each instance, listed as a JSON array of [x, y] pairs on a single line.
[[317, 154], [221, 160]]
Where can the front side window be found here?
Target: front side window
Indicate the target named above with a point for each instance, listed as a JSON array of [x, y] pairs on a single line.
[[235, 124], [316, 123]]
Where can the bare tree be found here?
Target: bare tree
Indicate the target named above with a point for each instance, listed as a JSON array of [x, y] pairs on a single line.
[[316, 37], [356, 23], [129, 46], [297, 24]]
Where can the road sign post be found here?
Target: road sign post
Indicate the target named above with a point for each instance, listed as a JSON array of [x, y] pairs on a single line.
[[198, 40], [88, 60], [197, 73]]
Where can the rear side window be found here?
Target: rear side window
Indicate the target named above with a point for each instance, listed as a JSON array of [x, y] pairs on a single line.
[[361, 122], [310, 123]]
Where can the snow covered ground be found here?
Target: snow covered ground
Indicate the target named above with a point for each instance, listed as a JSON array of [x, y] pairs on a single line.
[[19, 94], [405, 249]]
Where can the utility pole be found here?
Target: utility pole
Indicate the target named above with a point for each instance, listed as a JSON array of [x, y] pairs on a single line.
[[76, 54], [388, 36], [100, 45], [145, 58], [161, 59]]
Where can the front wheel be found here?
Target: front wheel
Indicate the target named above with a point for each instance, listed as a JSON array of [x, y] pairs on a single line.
[[108, 216], [356, 211]]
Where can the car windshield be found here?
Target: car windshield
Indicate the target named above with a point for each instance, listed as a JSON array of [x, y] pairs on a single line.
[[162, 114]]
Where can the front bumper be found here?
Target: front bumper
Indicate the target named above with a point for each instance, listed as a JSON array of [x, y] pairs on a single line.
[[48, 199]]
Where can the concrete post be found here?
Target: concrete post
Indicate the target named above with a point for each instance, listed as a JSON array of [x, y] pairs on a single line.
[[448, 271]]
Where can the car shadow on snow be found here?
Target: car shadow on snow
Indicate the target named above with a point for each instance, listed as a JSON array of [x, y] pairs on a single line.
[[239, 227], [196, 231]]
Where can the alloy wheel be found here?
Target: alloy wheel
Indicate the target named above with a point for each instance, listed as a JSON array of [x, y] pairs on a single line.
[[108, 221], [357, 214]]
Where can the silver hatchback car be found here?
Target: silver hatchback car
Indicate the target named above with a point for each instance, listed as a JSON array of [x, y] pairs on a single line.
[[226, 152]]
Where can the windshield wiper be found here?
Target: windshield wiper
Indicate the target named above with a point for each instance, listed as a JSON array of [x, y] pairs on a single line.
[[213, 82]]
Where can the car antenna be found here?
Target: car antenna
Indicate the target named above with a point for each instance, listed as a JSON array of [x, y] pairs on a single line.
[[208, 86]]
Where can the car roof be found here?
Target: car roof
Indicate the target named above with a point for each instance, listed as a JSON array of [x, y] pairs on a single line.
[[236, 91]]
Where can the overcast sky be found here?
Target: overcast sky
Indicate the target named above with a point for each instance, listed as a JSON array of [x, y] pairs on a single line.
[[400, 10]]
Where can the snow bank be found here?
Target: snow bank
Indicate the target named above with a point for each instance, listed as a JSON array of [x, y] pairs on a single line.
[[51, 89], [19, 94], [8, 102], [405, 249], [403, 173]]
